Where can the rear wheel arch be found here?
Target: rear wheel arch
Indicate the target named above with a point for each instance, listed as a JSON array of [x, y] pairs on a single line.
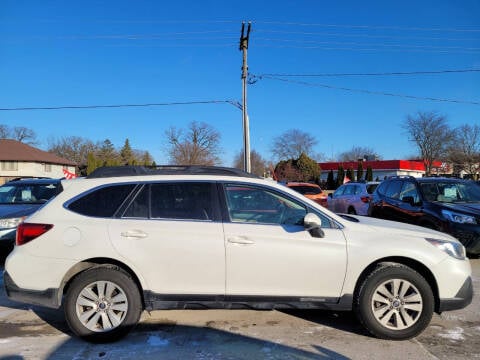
[[411, 263], [92, 263]]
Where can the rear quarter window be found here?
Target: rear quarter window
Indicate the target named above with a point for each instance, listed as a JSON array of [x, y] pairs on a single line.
[[102, 202]]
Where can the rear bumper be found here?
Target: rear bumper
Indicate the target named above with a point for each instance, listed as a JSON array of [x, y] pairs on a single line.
[[461, 300], [48, 298]]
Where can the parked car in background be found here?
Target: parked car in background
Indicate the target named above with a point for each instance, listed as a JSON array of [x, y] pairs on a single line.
[[444, 204], [311, 191], [126, 239], [20, 198], [352, 197]]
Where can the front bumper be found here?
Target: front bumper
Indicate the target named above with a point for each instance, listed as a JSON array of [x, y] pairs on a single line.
[[468, 235], [48, 298], [461, 300]]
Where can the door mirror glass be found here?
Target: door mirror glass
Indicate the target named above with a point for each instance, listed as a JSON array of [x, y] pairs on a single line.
[[313, 224]]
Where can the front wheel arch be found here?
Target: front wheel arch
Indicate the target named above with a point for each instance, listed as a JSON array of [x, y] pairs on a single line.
[[394, 302], [413, 264]]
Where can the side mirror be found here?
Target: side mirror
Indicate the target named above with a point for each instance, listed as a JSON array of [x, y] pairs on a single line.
[[313, 224], [409, 200]]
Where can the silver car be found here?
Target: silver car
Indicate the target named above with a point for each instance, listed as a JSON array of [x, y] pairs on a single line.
[[352, 198]]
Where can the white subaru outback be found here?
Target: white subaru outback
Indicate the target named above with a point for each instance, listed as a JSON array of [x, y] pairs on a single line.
[[126, 239]]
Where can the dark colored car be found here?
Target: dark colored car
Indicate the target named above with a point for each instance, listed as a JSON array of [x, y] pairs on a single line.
[[443, 204], [19, 199]]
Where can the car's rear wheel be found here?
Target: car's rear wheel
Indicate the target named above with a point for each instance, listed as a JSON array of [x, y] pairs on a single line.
[[394, 302], [352, 211], [102, 304]]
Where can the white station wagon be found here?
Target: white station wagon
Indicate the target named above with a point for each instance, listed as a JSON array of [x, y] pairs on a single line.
[[126, 239]]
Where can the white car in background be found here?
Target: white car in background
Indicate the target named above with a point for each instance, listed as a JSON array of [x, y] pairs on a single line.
[[127, 239], [352, 198]]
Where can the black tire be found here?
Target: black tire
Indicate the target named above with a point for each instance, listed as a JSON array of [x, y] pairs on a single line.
[[102, 304], [391, 317], [352, 211]]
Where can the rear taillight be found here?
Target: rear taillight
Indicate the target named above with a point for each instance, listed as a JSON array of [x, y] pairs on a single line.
[[28, 231], [365, 199]]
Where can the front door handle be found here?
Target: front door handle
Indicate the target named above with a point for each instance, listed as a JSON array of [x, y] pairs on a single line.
[[240, 240], [138, 234]]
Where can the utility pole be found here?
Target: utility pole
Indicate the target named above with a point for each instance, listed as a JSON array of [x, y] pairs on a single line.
[[246, 129]]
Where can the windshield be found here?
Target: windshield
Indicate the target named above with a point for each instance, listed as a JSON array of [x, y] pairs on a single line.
[[451, 191], [28, 193]]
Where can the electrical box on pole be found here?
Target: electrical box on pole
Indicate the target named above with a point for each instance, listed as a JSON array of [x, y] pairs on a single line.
[[244, 37]]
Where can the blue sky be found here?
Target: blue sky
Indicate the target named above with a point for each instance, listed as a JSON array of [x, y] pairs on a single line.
[[58, 53]]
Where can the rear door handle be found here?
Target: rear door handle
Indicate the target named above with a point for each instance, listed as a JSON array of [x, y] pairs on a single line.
[[138, 234], [240, 240]]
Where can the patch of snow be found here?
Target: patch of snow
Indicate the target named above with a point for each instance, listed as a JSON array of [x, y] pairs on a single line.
[[455, 334], [157, 341]]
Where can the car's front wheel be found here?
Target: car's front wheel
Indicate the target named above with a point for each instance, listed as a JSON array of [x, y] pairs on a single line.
[[102, 304], [394, 302]]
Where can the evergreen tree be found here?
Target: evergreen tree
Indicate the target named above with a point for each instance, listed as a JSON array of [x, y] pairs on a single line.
[[107, 154], [360, 171], [351, 174], [369, 174], [308, 167], [340, 175], [126, 154], [330, 181], [92, 163]]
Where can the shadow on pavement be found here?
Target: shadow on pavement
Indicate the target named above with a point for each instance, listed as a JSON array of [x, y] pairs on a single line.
[[156, 341]]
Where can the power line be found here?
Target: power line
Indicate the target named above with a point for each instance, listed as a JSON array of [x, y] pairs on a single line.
[[329, 34], [381, 45], [367, 26], [231, 102], [336, 48], [371, 74], [371, 92]]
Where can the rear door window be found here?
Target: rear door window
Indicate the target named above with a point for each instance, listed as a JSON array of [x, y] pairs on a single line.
[[173, 200]]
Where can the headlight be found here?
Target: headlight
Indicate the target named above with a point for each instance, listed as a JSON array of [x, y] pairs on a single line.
[[454, 249], [458, 218], [10, 223]]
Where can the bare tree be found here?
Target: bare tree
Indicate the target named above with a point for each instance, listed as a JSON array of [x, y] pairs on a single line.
[[19, 133], [197, 145], [431, 133], [25, 135], [73, 148], [464, 152], [4, 131], [258, 163], [357, 152], [292, 143]]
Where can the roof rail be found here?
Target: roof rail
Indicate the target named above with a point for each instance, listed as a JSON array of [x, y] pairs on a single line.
[[28, 178], [131, 170], [402, 177]]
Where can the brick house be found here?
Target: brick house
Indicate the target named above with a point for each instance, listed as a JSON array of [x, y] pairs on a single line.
[[21, 160]]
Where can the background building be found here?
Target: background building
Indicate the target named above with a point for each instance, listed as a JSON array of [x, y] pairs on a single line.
[[21, 160], [384, 168]]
